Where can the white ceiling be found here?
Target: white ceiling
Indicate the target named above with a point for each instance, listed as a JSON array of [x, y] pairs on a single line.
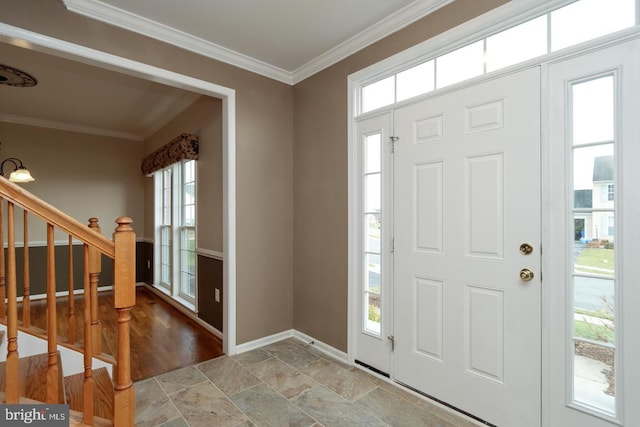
[[287, 40], [73, 96]]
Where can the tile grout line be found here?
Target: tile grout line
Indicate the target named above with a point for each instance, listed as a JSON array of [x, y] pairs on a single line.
[[172, 403], [352, 402]]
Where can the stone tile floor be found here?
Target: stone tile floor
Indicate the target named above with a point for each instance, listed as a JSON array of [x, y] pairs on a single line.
[[288, 383]]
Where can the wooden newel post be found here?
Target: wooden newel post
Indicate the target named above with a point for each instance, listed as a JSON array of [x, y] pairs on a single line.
[[124, 290], [95, 267]]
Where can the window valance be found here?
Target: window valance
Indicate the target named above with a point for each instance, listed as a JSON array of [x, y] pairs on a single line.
[[183, 147]]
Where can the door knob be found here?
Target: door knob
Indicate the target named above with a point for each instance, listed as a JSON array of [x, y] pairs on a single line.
[[526, 274]]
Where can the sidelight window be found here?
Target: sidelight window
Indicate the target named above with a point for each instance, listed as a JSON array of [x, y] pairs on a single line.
[[593, 278], [372, 219]]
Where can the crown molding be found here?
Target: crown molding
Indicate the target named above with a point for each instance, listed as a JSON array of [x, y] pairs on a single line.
[[71, 127], [112, 15], [389, 25]]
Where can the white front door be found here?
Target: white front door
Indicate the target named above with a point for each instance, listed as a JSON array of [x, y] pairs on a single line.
[[592, 258], [467, 196]]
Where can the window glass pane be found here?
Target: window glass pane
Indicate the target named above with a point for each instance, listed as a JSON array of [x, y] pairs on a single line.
[[372, 153], [593, 111], [593, 171], [372, 271], [372, 233], [189, 193], [189, 215], [594, 323], [373, 314], [593, 376], [378, 94], [517, 44], [188, 288], [415, 81], [190, 171], [596, 256], [166, 276], [459, 65], [188, 262], [188, 240], [587, 19], [166, 197], [372, 193]]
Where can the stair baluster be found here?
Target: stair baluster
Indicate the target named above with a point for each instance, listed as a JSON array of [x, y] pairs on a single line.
[[88, 385], [95, 267], [26, 279], [71, 317], [53, 370]]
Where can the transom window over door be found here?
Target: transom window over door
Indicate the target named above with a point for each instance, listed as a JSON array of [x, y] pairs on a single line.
[[563, 27]]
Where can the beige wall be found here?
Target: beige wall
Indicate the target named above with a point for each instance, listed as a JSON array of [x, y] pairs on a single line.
[[264, 192], [203, 118], [320, 176], [83, 175]]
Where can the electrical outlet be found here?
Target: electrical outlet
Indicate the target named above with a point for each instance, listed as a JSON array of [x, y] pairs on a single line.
[[217, 295]]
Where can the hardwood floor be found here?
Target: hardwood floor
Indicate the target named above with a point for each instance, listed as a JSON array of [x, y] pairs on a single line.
[[162, 338]]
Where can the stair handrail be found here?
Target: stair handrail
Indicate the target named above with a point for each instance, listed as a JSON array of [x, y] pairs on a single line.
[[50, 214]]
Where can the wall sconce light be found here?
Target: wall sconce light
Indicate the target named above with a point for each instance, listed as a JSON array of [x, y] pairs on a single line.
[[20, 172]]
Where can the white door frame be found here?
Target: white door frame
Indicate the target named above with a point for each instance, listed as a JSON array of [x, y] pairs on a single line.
[[50, 45], [509, 14]]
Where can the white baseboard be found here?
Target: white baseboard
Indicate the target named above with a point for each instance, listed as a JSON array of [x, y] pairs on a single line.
[[330, 351], [36, 297], [264, 341]]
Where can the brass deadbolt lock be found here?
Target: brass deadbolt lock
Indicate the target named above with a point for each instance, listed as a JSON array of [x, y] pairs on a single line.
[[526, 249]]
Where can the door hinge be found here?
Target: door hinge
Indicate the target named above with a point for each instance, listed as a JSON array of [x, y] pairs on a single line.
[[393, 341], [393, 140], [393, 245]]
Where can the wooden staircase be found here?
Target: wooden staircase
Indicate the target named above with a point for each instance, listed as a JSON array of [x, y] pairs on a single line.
[[93, 396], [33, 386]]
